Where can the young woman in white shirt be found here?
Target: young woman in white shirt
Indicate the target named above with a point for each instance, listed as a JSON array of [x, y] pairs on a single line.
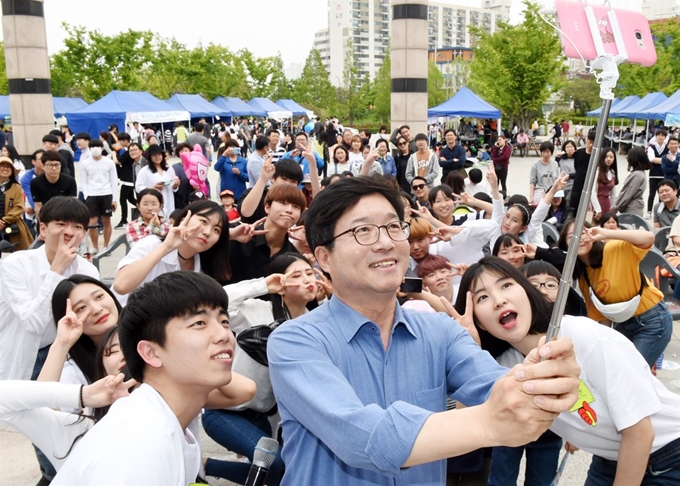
[[293, 286], [340, 160], [625, 417], [158, 175], [84, 311], [356, 156], [198, 241]]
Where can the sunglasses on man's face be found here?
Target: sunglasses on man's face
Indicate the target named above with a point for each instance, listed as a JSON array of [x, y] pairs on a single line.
[[401, 144], [418, 187]]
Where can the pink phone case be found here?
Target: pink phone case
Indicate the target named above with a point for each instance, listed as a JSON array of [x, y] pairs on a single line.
[[575, 36], [637, 37], [634, 28]]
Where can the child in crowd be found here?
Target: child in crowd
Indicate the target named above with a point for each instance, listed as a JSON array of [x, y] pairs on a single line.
[[543, 174], [227, 200], [475, 183], [150, 221]]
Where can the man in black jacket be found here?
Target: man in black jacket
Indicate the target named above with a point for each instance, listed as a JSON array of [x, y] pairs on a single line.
[[452, 155]]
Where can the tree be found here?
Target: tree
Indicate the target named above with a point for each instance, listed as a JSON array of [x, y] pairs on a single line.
[[313, 89], [4, 86], [662, 76], [350, 85], [94, 64], [382, 85], [519, 66], [436, 85], [585, 93]]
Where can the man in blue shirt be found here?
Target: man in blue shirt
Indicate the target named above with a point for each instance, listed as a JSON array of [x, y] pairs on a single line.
[[296, 154], [361, 384]]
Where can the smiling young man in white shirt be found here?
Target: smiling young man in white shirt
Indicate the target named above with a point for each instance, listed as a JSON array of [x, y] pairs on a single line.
[[28, 279], [175, 337]]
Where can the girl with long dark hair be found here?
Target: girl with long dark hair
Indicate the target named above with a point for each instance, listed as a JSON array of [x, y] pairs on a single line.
[[293, 287], [624, 416], [198, 241]]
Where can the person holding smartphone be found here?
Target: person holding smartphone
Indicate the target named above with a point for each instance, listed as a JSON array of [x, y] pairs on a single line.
[[233, 168]]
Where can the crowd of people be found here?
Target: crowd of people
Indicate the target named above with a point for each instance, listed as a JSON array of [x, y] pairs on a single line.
[[378, 308]]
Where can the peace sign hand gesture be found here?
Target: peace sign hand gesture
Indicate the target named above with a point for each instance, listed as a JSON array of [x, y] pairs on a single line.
[[465, 320], [70, 327], [180, 233]]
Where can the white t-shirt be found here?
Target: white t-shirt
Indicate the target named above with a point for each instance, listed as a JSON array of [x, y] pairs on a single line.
[[140, 441], [98, 178], [146, 178], [616, 387], [169, 263], [26, 322]]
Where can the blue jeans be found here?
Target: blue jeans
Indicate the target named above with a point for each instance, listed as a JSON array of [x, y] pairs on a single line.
[[650, 332], [541, 464], [238, 432], [663, 468], [46, 467]]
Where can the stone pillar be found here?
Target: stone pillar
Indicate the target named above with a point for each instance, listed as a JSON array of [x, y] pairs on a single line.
[[408, 52], [28, 73]]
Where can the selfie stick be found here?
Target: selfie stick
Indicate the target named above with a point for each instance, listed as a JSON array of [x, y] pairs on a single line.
[[607, 79]]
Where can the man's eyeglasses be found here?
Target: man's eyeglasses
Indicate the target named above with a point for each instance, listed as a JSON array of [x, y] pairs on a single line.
[[417, 187], [549, 285], [369, 234], [53, 166]]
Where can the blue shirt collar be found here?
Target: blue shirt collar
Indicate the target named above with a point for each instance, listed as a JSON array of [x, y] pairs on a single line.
[[351, 320]]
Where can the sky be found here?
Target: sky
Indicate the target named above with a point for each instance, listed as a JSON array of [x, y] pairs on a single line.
[[266, 27]]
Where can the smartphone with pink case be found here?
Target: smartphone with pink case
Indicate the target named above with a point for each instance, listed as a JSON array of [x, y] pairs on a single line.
[[636, 37], [619, 32], [575, 34]]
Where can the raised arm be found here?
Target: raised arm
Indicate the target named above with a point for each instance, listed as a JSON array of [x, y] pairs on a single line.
[[250, 203]]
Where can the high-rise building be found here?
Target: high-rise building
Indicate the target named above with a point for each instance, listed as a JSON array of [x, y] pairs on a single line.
[[366, 23], [660, 9]]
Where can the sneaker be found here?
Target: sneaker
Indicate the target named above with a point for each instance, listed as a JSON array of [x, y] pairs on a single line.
[[122, 224]]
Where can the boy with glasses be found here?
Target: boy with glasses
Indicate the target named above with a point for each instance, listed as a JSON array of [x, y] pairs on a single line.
[[361, 384], [52, 183]]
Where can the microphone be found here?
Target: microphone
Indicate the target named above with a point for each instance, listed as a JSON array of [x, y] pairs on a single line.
[[263, 458]]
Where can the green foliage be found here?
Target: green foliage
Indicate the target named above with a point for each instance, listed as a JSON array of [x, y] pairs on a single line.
[[517, 67], [93, 64], [4, 86], [662, 76], [314, 90], [350, 101], [382, 85], [585, 93], [436, 85]]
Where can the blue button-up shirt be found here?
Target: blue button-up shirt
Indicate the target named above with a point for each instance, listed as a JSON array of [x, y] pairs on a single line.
[[351, 411]]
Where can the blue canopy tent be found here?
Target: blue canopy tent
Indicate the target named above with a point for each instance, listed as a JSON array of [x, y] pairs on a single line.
[[62, 105], [465, 103], [659, 111], [4, 107], [293, 107], [636, 109], [120, 107], [596, 111], [197, 106], [238, 107], [625, 103], [273, 110]]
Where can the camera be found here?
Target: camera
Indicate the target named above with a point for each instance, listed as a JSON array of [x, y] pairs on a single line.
[[638, 35]]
